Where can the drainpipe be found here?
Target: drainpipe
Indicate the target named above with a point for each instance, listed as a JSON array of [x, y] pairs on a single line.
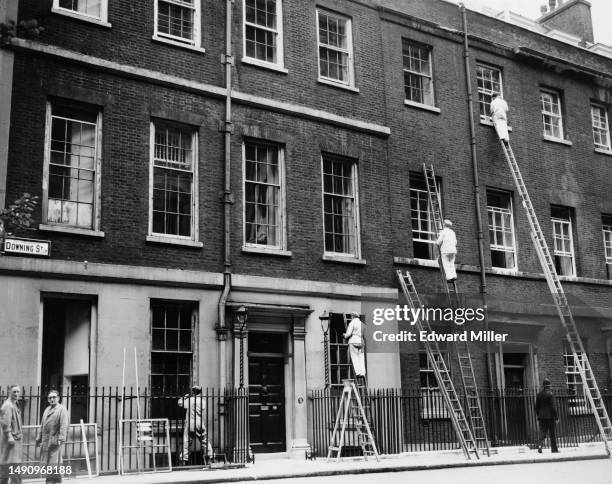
[[8, 11], [228, 61], [483, 284]]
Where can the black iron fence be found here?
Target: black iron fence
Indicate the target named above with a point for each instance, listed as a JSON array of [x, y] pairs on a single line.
[[410, 420], [224, 417]]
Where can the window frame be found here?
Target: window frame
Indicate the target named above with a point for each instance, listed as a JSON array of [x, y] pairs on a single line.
[[196, 41], [602, 129], [415, 179], [280, 57], [335, 369], [356, 222], [427, 100], [554, 94], [569, 222], [433, 406], [489, 92], [606, 228], [194, 325], [102, 19], [173, 238], [96, 182], [577, 402], [503, 211], [282, 216], [350, 69]]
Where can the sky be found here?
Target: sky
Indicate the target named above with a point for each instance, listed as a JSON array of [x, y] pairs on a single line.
[[601, 11]]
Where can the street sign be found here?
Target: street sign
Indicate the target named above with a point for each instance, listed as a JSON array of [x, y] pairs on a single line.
[[32, 247]]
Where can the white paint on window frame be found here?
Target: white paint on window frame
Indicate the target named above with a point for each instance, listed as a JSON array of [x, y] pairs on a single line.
[[280, 56], [96, 218], [195, 42], [281, 247], [350, 82], [102, 19], [171, 238]]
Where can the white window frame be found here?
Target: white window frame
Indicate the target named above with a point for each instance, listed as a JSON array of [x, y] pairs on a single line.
[[278, 33], [95, 215], [192, 353], [338, 349], [102, 19], [417, 195], [196, 41], [428, 95], [553, 98], [607, 237], [601, 127], [505, 228], [570, 251], [350, 82], [282, 219], [173, 238], [483, 91], [578, 403], [432, 401], [355, 196]]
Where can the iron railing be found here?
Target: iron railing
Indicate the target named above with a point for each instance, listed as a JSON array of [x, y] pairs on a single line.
[[409, 420], [224, 414]]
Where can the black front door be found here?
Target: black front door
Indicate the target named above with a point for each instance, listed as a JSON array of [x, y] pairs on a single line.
[[514, 397], [266, 397]]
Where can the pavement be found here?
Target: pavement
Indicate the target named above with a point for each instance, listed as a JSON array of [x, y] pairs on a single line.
[[268, 467]]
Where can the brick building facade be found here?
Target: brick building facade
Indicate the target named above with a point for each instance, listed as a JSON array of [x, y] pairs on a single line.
[[119, 122]]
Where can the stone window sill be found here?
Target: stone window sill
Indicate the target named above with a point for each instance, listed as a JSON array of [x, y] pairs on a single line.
[[557, 140], [344, 259], [346, 87], [175, 43], [159, 239], [488, 122], [266, 251], [78, 16], [70, 230], [603, 151], [425, 107], [264, 65]]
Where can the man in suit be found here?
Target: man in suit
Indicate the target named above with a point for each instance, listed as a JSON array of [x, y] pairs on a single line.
[[546, 412]]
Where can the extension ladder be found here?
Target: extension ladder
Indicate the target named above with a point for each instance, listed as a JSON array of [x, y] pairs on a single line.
[[563, 308], [474, 408], [351, 406], [447, 388]]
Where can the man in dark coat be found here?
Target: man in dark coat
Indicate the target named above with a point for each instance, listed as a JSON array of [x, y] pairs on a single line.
[[546, 412]]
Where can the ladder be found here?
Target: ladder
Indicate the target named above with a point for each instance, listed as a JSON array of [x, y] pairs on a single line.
[[563, 308], [351, 406], [435, 208], [466, 367], [436, 359]]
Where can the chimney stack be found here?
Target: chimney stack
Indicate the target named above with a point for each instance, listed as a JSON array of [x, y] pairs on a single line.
[[572, 17]]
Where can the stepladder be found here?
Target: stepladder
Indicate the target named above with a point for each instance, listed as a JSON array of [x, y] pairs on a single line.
[[581, 360], [352, 417]]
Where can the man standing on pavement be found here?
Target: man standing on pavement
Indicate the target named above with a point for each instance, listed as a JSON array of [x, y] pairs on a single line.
[[354, 337], [10, 435], [546, 413], [194, 426], [499, 115], [52, 434], [447, 242]]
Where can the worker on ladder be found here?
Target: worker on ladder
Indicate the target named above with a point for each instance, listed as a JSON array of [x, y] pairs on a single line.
[[499, 115], [354, 337], [447, 242]]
